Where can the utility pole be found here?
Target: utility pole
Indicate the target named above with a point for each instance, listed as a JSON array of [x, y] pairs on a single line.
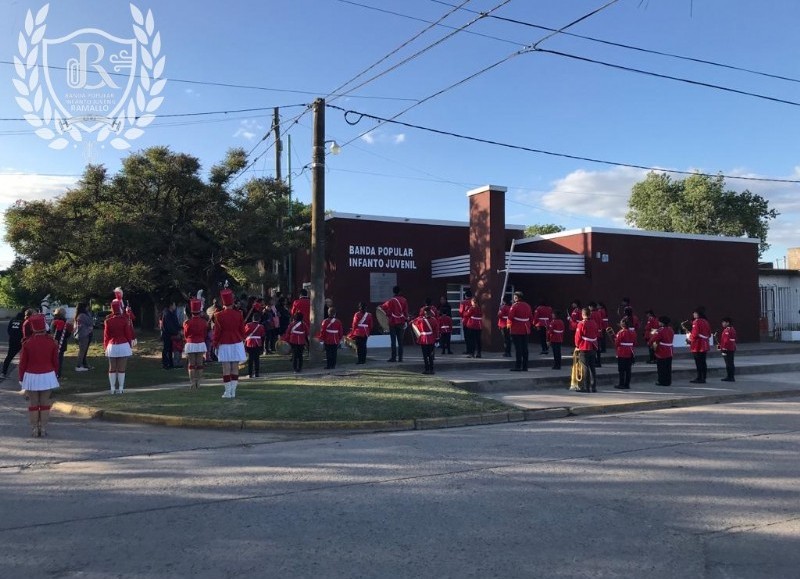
[[276, 127], [318, 218]]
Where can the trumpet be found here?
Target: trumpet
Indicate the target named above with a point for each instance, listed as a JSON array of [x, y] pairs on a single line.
[[686, 326], [610, 331]]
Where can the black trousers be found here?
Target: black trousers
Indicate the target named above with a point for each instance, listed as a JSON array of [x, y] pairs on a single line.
[[624, 366], [556, 348], [664, 369], [730, 367], [166, 352], [474, 344], [428, 356], [253, 361], [297, 357], [542, 338], [506, 341], [700, 365], [589, 358], [13, 349], [444, 342], [361, 350], [331, 352], [469, 340], [396, 334], [520, 351]]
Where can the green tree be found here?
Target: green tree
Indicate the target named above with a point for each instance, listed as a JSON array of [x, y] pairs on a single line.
[[698, 204], [543, 229]]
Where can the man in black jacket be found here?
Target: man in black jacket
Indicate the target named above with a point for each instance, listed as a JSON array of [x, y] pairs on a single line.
[[169, 329], [14, 341]]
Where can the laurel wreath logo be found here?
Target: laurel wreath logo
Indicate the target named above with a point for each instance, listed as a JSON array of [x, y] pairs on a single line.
[[132, 119]]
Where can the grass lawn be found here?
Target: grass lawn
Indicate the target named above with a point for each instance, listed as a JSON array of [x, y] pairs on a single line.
[[344, 395]]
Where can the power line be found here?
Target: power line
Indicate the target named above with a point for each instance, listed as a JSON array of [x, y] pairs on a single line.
[[361, 115], [196, 114]]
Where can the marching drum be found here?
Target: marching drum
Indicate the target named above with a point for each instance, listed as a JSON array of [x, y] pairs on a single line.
[[416, 331], [383, 319], [283, 347]]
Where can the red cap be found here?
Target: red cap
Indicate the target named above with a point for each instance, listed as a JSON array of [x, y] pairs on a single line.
[[117, 307], [118, 293], [226, 296], [195, 306], [37, 322]]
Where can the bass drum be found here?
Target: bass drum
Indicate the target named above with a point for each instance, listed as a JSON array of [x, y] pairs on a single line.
[[383, 319], [283, 347]]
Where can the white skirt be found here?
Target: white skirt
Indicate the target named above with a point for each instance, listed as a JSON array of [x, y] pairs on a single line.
[[37, 382], [194, 348], [231, 352], [122, 350]]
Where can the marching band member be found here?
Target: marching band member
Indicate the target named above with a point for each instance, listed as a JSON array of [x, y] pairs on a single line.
[[429, 304], [661, 344], [586, 335], [541, 319], [604, 325], [254, 344], [330, 334], [555, 335], [427, 330], [445, 331], [396, 309], [302, 305], [698, 343], [228, 341], [727, 345], [502, 325], [462, 307], [519, 327], [472, 318], [118, 344], [360, 331], [597, 317], [625, 341], [38, 365], [297, 337], [195, 332], [650, 327]]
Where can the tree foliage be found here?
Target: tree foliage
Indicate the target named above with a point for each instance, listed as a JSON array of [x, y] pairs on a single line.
[[156, 228], [543, 229], [698, 204]]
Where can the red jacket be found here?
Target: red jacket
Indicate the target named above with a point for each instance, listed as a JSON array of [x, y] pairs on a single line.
[[597, 316], [519, 319], [254, 335], [604, 318], [701, 332], [396, 309], [434, 311], [650, 325], [331, 331], [502, 316], [662, 339], [296, 333], [302, 305], [117, 329], [625, 341], [586, 335], [463, 306], [362, 325], [575, 317], [39, 355], [542, 316], [555, 331], [195, 330], [472, 318], [445, 324], [228, 327], [727, 340], [428, 330]]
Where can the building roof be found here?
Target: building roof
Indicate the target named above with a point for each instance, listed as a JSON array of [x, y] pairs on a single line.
[[410, 220], [640, 233]]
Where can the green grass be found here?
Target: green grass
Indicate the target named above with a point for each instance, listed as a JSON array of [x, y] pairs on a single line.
[[345, 395]]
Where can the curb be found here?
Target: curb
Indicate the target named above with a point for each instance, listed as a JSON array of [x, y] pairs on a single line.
[[540, 414]]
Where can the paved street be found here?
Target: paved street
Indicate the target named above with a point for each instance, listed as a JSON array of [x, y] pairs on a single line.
[[701, 492]]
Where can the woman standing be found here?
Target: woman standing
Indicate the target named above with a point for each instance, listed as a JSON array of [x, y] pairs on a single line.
[[228, 341], [37, 373], [195, 331], [84, 328], [118, 344], [360, 331]]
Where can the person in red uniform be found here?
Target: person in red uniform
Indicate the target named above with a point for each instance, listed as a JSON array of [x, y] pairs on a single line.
[[360, 330], [330, 334], [445, 331], [302, 305], [698, 343], [586, 335], [38, 364], [427, 331], [661, 344], [502, 325], [541, 319], [195, 332], [604, 325], [625, 341], [472, 319], [597, 317], [228, 341], [429, 304], [650, 328], [519, 327], [118, 344], [462, 307], [727, 345], [555, 335], [396, 309], [254, 344], [297, 337]]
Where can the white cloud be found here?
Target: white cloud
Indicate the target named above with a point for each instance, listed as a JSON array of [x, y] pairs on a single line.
[[249, 130], [368, 138], [29, 187], [379, 137], [400, 138]]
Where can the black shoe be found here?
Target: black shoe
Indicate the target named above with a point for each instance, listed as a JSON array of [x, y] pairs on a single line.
[[391, 360], [506, 355], [515, 369], [524, 370], [470, 355], [545, 353], [697, 381], [477, 355], [622, 387], [399, 360], [729, 380], [593, 389]]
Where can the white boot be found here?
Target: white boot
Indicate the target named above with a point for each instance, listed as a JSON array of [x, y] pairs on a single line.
[[227, 393], [234, 384], [112, 380], [121, 381]]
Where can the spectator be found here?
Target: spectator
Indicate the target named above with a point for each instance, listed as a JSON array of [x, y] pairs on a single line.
[[84, 331], [14, 341], [169, 329]]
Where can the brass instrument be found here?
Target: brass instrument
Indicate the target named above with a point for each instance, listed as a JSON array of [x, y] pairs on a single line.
[[610, 331], [715, 340], [350, 342], [686, 326]]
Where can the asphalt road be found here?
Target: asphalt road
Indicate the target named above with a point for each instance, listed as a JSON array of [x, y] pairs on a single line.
[[699, 492]]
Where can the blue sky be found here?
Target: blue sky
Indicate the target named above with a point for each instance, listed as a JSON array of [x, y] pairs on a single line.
[[296, 50]]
